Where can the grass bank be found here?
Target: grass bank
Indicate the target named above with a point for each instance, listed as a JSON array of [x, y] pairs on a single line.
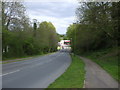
[[108, 60], [9, 60], [73, 77]]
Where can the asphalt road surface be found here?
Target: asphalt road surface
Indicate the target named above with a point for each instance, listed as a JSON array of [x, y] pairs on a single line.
[[37, 72], [96, 77]]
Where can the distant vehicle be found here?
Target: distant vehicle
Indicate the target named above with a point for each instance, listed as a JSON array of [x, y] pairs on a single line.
[[65, 44]]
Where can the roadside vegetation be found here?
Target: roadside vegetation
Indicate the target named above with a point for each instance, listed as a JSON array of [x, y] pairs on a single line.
[[96, 27], [73, 77], [22, 37], [96, 32], [108, 60], [9, 60]]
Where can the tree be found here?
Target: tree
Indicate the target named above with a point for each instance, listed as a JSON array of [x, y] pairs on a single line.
[[48, 36], [96, 26], [14, 25], [19, 38], [13, 12]]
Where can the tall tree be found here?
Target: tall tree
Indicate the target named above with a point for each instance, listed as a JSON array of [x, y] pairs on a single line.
[[97, 26]]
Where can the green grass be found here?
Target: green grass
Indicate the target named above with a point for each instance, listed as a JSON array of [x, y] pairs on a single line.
[[73, 77], [108, 60]]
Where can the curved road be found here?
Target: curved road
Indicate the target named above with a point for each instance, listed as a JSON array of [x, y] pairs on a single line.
[[36, 72]]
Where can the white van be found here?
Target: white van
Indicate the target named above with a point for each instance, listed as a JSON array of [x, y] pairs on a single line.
[[65, 44]]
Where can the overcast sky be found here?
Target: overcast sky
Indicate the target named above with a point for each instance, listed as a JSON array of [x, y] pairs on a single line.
[[61, 14]]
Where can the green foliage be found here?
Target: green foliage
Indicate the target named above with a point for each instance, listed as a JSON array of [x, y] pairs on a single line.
[[96, 28], [73, 77], [107, 59], [20, 39], [48, 37]]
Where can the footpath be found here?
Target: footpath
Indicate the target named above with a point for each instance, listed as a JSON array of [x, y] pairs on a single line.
[[96, 77]]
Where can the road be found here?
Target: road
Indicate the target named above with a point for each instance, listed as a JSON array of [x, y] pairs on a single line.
[[36, 72], [96, 77]]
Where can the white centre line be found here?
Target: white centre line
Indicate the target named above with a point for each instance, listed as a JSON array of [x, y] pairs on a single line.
[[9, 73], [35, 65]]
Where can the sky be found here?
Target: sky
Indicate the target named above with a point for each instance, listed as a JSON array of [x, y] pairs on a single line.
[[61, 14]]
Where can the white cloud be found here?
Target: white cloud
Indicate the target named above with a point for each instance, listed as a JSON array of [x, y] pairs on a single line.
[[60, 14], [60, 24]]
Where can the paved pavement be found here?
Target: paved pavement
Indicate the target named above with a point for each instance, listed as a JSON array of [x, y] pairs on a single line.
[[36, 72], [96, 77]]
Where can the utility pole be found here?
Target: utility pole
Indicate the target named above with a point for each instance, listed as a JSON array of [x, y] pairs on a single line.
[[34, 26], [74, 37]]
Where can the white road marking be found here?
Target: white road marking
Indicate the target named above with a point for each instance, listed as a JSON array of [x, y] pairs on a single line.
[[34, 65], [84, 84], [9, 73]]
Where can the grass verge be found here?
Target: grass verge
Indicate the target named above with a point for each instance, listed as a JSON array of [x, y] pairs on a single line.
[[108, 60], [23, 58], [73, 77]]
